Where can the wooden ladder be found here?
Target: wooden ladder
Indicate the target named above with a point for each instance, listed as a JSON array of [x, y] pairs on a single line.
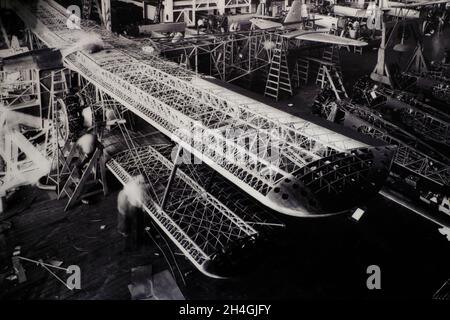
[[332, 55], [58, 84], [229, 58], [223, 63], [329, 76], [301, 75], [61, 164], [58, 88], [278, 78], [73, 187]]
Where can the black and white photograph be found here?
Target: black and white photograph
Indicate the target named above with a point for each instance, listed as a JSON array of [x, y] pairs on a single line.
[[235, 152]]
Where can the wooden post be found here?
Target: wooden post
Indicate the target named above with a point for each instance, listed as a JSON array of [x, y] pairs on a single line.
[[381, 72], [106, 14]]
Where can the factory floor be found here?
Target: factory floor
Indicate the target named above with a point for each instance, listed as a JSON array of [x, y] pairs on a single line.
[[308, 259], [318, 258], [86, 236], [328, 259]]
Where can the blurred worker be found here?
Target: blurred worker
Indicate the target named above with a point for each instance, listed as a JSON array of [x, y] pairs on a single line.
[[87, 144], [130, 202]]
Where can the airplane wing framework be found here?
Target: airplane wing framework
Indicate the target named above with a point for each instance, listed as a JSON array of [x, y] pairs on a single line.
[[254, 146], [289, 164]]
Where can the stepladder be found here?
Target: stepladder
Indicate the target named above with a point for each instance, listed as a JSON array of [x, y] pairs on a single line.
[[330, 76], [87, 177], [301, 74], [278, 79]]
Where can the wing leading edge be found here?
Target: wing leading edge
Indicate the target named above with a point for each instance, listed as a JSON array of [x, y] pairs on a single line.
[[332, 39]]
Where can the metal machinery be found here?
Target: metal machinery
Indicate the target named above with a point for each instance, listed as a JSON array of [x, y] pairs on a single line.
[[288, 164], [86, 114]]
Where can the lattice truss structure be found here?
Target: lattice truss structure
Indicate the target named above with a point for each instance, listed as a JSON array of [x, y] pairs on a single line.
[[232, 55], [193, 111], [198, 223], [29, 132], [412, 154], [20, 90], [99, 102], [423, 118]]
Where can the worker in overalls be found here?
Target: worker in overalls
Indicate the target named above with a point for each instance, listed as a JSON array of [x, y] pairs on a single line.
[[87, 144], [86, 147], [130, 204]]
